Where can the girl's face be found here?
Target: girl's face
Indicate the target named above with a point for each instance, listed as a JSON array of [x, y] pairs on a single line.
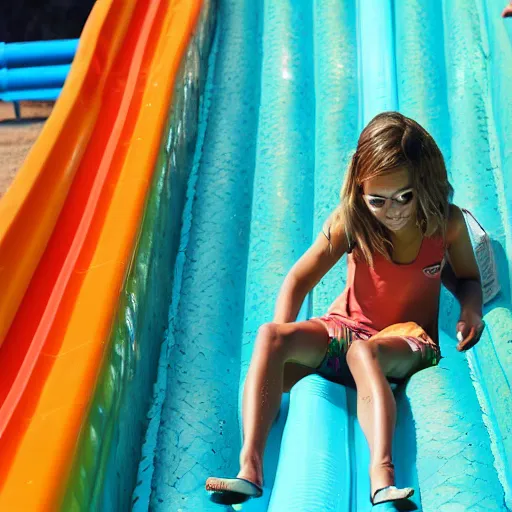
[[391, 199]]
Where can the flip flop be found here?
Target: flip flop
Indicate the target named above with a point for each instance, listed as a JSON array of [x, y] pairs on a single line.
[[231, 491], [391, 493]]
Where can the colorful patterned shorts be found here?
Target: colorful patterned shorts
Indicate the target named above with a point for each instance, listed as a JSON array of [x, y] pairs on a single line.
[[342, 333]]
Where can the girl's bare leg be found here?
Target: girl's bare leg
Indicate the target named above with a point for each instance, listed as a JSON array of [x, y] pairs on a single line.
[[276, 344], [370, 363]]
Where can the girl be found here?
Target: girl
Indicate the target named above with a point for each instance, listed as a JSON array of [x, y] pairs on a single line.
[[398, 227]]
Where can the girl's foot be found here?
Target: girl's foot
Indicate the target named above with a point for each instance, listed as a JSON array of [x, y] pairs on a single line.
[[230, 491], [246, 485], [391, 493], [507, 12], [382, 476]]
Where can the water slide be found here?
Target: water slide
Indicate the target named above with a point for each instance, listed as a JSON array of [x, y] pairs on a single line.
[[192, 157]]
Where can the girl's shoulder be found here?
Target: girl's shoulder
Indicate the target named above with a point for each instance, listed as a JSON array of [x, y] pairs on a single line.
[[455, 223], [335, 232]]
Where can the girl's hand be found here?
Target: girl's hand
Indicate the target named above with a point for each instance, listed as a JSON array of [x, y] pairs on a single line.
[[467, 287], [469, 329]]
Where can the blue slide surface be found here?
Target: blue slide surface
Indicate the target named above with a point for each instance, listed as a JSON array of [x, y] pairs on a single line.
[[290, 86]]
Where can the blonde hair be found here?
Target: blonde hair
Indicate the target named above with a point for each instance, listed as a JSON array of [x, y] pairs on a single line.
[[391, 141]]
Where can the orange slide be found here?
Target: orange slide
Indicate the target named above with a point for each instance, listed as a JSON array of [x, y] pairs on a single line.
[[68, 226]]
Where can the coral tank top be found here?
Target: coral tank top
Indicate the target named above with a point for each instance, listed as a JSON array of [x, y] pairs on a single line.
[[391, 293]]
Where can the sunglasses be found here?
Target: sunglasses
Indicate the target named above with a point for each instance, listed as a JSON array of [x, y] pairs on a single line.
[[401, 199]]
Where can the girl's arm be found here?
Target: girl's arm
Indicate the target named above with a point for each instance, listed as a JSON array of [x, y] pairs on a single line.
[[463, 280], [309, 270]]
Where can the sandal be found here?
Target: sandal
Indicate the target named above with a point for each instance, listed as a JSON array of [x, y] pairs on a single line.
[[231, 491], [391, 493]]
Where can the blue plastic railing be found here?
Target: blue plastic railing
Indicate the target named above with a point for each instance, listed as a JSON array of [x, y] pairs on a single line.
[[35, 70]]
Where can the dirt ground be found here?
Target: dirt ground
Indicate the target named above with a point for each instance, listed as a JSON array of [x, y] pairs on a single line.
[[18, 136]]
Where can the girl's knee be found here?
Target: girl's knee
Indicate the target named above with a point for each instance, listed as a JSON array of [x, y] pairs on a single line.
[[270, 337], [360, 350]]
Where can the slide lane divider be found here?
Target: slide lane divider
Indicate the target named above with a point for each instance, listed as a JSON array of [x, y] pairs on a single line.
[[317, 463]]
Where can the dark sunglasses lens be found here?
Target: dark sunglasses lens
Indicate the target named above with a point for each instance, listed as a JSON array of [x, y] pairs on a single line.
[[376, 202], [405, 198]]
